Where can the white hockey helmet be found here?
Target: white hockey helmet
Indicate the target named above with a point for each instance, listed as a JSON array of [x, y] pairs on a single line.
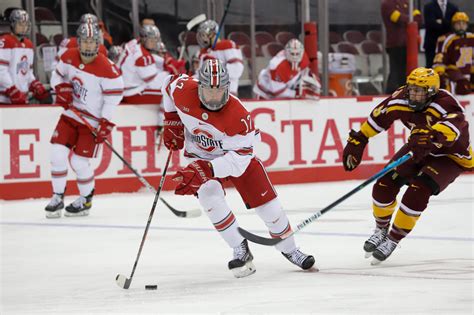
[[206, 32], [294, 51], [87, 34], [114, 53], [89, 18], [214, 84], [20, 23], [150, 36]]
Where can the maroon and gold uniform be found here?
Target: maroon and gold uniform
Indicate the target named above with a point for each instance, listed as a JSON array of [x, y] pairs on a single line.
[[439, 141]]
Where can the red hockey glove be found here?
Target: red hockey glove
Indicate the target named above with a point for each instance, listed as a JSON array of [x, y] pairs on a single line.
[[174, 66], [192, 177], [64, 94], [354, 149], [39, 92], [423, 140], [103, 130], [15, 95], [173, 132]]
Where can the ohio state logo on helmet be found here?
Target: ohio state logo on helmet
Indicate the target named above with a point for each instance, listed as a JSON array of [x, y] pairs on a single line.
[[205, 140]]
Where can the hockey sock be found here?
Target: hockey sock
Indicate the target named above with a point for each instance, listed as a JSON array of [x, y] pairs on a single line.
[[383, 213], [414, 202], [278, 225], [212, 199], [59, 155], [85, 174]]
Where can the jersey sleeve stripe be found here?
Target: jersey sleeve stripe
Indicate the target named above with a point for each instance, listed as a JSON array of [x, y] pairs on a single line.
[[234, 60], [148, 79], [4, 62]]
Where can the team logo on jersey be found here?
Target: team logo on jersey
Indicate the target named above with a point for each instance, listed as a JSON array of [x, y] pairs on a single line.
[[79, 91], [23, 66], [205, 140]]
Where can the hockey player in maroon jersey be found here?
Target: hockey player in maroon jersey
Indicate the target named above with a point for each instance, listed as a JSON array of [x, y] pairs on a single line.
[[16, 63], [439, 140], [455, 58], [225, 50], [90, 83], [218, 137]]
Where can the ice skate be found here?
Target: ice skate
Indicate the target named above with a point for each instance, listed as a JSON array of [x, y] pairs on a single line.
[[53, 209], [300, 259], [383, 251], [79, 207], [242, 265], [374, 240]]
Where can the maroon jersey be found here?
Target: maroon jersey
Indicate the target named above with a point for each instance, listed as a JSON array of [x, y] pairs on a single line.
[[443, 114], [456, 56]]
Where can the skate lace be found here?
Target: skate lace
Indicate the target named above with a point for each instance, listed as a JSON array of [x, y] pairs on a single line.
[[387, 247], [297, 257], [79, 202], [378, 236], [240, 251], [55, 200]]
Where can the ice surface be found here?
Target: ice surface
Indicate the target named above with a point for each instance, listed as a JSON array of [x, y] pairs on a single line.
[[68, 265]]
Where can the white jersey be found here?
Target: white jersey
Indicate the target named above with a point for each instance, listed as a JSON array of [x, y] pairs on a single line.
[[98, 86], [226, 137], [16, 65], [278, 79], [138, 67], [231, 56]]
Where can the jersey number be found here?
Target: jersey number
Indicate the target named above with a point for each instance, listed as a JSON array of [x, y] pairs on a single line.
[[248, 123], [465, 57]]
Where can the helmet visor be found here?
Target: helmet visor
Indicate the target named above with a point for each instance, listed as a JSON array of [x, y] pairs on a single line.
[[214, 98], [88, 46]]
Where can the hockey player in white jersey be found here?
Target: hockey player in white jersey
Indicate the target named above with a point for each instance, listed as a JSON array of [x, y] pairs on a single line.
[[91, 84], [16, 63], [225, 50], [141, 76], [218, 136], [288, 75]]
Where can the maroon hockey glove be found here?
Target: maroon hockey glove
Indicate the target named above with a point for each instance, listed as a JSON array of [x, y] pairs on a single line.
[[352, 154], [15, 95], [38, 90], [192, 177], [104, 130], [64, 94], [173, 132], [463, 87], [423, 140]]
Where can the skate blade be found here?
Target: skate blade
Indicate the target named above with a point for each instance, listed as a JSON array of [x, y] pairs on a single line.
[[375, 262], [78, 214], [53, 214], [244, 271], [368, 254]]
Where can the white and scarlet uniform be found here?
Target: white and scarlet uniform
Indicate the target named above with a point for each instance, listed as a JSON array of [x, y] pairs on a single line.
[[16, 65], [71, 42], [278, 79], [231, 56], [98, 89], [141, 74], [226, 139]]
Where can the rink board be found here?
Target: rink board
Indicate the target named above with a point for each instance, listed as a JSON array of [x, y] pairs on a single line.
[[302, 142]]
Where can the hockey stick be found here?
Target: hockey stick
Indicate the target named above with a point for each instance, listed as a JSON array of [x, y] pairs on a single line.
[[182, 214], [123, 281], [221, 24], [273, 241], [192, 23]]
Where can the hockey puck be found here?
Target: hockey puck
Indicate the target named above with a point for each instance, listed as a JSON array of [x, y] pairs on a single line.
[[151, 287]]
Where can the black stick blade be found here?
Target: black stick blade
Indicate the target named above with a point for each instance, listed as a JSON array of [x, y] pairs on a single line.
[[194, 213], [123, 281], [258, 239]]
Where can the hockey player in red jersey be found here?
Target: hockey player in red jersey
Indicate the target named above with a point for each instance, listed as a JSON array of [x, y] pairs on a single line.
[[91, 84], [16, 63], [288, 75], [439, 140], [218, 136], [225, 50]]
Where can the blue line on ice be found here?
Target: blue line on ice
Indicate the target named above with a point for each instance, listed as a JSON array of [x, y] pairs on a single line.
[[140, 227]]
